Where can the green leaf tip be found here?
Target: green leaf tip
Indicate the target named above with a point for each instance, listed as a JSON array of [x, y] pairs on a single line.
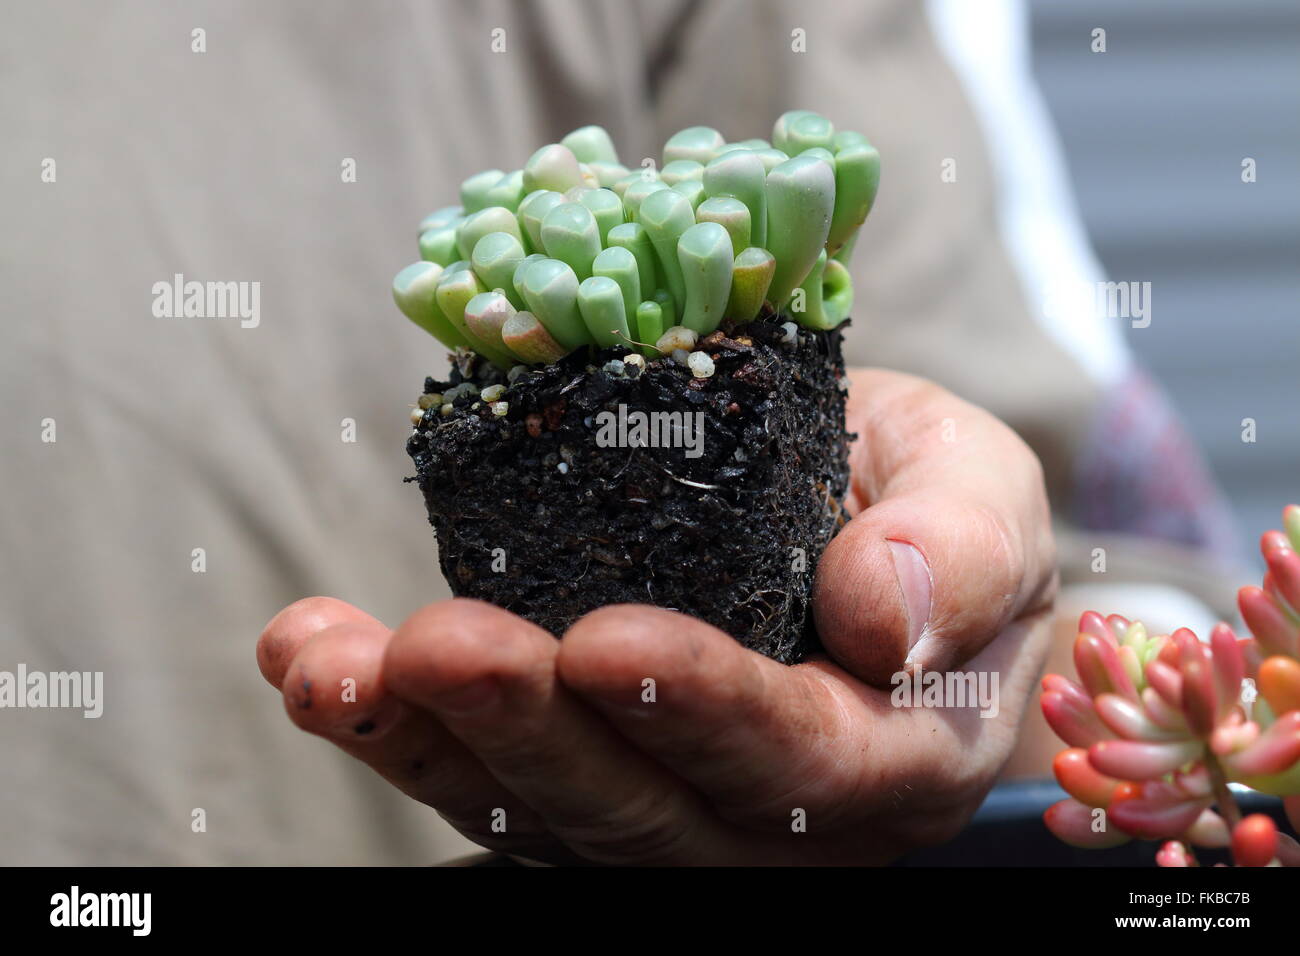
[[413, 292], [681, 169], [741, 175], [552, 167], [439, 243], [649, 327], [800, 201], [807, 131], [635, 195], [857, 178], [446, 216], [479, 224], [700, 143], [731, 214], [620, 265], [633, 237], [570, 234], [606, 207], [575, 250], [824, 299], [600, 300], [667, 214], [495, 259], [705, 254], [532, 210], [550, 290], [591, 144], [453, 294], [475, 190], [751, 277]]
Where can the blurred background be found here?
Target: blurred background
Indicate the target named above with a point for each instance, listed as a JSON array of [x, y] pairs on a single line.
[[1155, 131], [176, 434]]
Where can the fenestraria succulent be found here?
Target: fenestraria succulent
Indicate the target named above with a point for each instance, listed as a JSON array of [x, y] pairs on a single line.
[[697, 303], [593, 253]]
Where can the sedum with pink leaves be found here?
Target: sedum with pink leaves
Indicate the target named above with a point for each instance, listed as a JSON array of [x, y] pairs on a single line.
[[1157, 726]]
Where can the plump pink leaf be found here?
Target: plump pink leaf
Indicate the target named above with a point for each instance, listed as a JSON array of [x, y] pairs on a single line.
[[1200, 699], [1073, 823], [1161, 713], [1267, 622], [1155, 819], [1130, 721], [1284, 566], [1167, 682], [1077, 777], [1090, 622], [1070, 715], [1140, 760], [1233, 735], [1273, 752], [1229, 667], [1194, 782], [1098, 664], [1117, 624]]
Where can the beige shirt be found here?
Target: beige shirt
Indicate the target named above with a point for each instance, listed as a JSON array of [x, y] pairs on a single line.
[[177, 434]]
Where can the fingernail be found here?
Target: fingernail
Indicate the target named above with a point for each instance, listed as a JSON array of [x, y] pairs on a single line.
[[914, 582], [474, 696]]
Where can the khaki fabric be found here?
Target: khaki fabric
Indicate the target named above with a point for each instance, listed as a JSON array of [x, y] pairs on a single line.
[[176, 434]]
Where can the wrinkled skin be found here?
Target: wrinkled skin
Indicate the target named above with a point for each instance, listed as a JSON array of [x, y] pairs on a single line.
[[738, 760]]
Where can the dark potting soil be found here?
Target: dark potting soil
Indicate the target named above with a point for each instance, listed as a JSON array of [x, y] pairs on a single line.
[[536, 512]]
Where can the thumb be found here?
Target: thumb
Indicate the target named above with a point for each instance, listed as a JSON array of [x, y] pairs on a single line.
[[924, 579]]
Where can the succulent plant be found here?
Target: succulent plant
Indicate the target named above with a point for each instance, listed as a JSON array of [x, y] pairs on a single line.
[[1158, 726], [574, 250]]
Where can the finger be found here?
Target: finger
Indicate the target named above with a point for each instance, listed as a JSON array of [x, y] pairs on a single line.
[[287, 632], [955, 542], [334, 688], [490, 676], [930, 767], [759, 739], [764, 741]]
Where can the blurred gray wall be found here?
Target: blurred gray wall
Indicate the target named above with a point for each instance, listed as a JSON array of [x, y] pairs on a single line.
[[1155, 131]]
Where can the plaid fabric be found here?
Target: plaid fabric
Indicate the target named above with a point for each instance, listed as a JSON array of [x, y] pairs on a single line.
[[1140, 473]]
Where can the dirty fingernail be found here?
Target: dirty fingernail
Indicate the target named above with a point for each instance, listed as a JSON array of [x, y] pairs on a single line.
[[914, 582]]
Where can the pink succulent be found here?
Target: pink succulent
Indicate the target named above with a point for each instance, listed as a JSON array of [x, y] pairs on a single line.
[[1158, 725], [1174, 853], [1254, 841]]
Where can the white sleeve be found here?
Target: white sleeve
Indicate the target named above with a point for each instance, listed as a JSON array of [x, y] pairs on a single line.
[[987, 46]]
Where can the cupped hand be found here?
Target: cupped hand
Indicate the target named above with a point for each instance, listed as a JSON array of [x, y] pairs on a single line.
[[646, 736]]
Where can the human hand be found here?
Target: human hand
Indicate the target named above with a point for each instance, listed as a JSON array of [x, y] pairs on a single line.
[[488, 719]]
